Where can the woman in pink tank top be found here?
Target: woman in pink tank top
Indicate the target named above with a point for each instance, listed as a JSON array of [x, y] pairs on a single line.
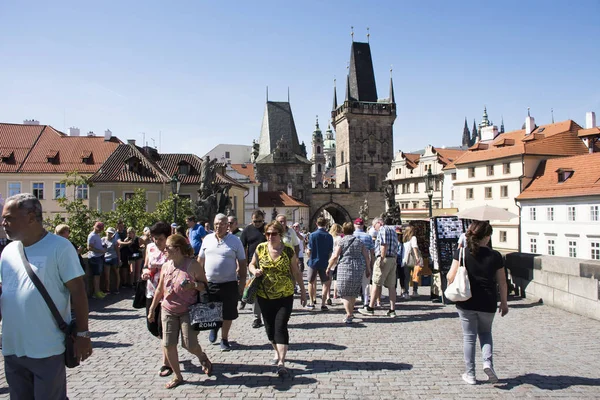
[[178, 288]]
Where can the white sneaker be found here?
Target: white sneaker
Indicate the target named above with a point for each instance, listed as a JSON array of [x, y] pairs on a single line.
[[492, 377], [470, 379], [414, 295]]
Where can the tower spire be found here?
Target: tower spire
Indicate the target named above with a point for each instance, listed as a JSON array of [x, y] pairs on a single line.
[[352, 33], [466, 139], [334, 95], [317, 124], [502, 125], [368, 34], [392, 97]]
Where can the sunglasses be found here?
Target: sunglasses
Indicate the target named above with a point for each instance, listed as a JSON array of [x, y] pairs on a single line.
[[258, 221], [268, 234]]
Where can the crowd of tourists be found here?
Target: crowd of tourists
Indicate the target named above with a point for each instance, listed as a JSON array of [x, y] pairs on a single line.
[[175, 267]]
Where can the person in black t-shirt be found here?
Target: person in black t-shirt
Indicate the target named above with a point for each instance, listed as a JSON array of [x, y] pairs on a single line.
[[485, 270], [252, 236]]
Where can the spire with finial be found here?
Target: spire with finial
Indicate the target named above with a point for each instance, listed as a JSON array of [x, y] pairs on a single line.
[[552, 112], [317, 123], [335, 106], [368, 34], [392, 97], [502, 125], [484, 121], [352, 33], [466, 138], [528, 114]]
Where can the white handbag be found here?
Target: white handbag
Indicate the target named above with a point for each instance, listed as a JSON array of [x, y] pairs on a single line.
[[460, 288]]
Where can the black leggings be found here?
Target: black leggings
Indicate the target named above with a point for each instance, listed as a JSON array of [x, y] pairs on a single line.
[[276, 314]]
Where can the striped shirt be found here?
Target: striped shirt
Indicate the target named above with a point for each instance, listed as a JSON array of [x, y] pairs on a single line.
[[387, 235]]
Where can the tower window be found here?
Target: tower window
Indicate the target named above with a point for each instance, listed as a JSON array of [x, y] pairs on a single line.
[[342, 157], [318, 167], [318, 149]]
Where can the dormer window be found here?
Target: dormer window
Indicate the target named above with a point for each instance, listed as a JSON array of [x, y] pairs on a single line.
[[133, 165], [87, 158], [8, 157], [564, 174], [52, 156], [184, 169]]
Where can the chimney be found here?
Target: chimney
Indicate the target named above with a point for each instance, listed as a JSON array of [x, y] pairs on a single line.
[[74, 131], [590, 120], [91, 133], [107, 135], [31, 122], [529, 125], [131, 141], [489, 132]]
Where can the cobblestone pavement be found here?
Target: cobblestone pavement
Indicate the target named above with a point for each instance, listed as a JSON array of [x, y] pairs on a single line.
[[540, 352]]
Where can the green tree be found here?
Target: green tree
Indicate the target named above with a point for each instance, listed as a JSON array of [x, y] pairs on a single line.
[[164, 210], [132, 212]]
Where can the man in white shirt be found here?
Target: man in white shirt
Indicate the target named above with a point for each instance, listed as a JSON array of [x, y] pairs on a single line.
[[32, 344]]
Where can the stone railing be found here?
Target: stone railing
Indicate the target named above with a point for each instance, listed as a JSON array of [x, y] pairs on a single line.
[[570, 284]]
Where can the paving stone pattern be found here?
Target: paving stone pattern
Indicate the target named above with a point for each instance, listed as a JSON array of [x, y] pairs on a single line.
[[540, 352]]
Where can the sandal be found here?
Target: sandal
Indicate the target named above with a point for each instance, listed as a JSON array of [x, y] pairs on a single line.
[[207, 366], [173, 383], [282, 371], [165, 371]]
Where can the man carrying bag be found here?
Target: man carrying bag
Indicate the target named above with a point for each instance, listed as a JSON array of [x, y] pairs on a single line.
[[33, 344]]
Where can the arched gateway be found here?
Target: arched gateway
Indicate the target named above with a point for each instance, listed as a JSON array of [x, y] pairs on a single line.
[[337, 212]]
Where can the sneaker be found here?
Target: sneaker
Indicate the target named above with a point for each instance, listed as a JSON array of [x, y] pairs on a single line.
[[98, 295], [324, 308], [257, 323], [414, 295], [366, 310], [405, 296], [391, 314], [329, 302], [212, 336], [310, 306], [225, 346], [348, 320], [470, 379], [242, 305], [492, 377]]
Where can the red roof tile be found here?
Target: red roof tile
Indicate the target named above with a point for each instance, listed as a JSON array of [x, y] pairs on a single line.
[[246, 170], [278, 199], [585, 180], [589, 132]]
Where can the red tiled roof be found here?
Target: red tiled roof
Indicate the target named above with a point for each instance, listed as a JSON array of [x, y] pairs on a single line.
[[585, 180], [412, 159], [446, 156], [170, 165], [116, 169], [589, 132], [278, 199], [43, 149], [558, 139], [224, 179], [246, 170]]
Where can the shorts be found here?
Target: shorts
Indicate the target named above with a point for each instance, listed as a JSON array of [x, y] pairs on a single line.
[[135, 256], [384, 274], [173, 325], [228, 294], [111, 263], [96, 265], [311, 274]]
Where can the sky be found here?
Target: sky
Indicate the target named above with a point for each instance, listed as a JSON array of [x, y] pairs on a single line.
[[189, 75]]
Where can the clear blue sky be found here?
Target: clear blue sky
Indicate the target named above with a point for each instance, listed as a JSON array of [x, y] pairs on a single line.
[[197, 70]]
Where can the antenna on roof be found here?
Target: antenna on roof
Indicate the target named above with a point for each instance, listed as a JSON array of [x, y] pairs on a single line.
[[352, 33], [368, 34], [552, 112]]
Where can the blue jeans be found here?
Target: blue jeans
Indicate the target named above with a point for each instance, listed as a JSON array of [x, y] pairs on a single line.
[[476, 323]]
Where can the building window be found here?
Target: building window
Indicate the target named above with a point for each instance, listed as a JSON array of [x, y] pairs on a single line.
[[342, 157], [184, 196], [399, 171], [453, 175], [571, 213], [469, 194], [436, 204], [488, 192], [408, 188], [227, 154], [595, 247], [280, 178], [184, 169], [318, 167], [38, 190], [14, 188], [504, 191], [82, 192], [372, 182], [532, 214], [506, 168], [318, 149], [533, 245], [416, 188], [299, 179], [550, 212], [415, 204], [301, 194], [551, 251], [128, 195], [503, 236], [452, 195], [472, 172], [60, 190], [437, 185], [490, 170], [593, 213], [572, 248]]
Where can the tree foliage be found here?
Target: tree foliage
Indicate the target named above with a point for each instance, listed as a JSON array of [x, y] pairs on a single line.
[[164, 210]]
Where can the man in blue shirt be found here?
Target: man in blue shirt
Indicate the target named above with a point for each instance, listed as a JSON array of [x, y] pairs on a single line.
[[320, 245], [195, 233]]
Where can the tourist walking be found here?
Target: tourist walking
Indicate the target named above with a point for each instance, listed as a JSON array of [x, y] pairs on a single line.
[[156, 257], [180, 281], [96, 258], [289, 236], [350, 259], [336, 233], [111, 259], [277, 264], [223, 260], [195, 233], [33, 346], [252, 236], [485, 270], [410, 246], [365, 238], [320, 245]]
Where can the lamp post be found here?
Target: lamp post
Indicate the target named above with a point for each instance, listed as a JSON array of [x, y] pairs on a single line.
[[429, 181], [175, 186]]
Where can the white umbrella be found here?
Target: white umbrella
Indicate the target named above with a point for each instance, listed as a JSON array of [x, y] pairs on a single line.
[[486, 213]]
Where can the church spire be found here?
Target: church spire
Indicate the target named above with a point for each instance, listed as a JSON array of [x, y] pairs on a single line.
[[335, 106], [392, 98], [474, 133], [466, 138], [502, 125]]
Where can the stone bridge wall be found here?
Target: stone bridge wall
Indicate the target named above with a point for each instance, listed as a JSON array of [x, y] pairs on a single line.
[[570, 284]]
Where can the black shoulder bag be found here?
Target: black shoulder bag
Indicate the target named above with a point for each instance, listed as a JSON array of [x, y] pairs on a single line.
[[71, 361]]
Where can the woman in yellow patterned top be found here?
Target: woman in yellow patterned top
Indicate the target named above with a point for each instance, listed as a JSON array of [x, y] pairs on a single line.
[[277, 263]]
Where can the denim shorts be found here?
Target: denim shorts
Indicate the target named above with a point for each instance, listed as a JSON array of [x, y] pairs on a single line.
[[96, 265]]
